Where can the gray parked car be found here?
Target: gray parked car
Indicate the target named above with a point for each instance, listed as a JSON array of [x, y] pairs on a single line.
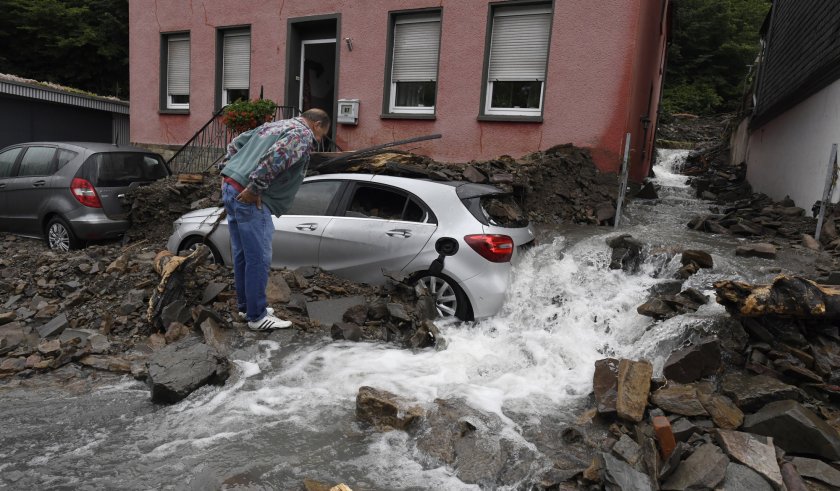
[[71, 192], [359, 226]]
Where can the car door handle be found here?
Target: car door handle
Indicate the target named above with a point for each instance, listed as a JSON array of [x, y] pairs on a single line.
[[399, 232], [307, 226], [39, 183], [2, 186]]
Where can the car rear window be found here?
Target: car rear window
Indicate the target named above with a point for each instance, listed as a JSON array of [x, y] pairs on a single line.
[[498, 210], [117, 169]]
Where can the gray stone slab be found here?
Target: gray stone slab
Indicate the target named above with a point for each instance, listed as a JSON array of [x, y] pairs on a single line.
[[817, 469], [742, 478], [53, 327], [329, 312]]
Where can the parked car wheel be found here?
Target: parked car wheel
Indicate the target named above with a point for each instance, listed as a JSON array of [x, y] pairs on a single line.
[[60, 236], [191, 243], [449, 297]]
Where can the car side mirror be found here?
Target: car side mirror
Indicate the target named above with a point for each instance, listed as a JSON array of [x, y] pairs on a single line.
[[445, 246]]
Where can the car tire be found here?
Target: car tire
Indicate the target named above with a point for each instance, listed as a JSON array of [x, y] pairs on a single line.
[[449, 297], [60, 236], [192, 242]]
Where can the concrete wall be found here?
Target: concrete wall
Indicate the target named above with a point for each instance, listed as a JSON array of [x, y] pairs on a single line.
[[789, 155], [604, 57]]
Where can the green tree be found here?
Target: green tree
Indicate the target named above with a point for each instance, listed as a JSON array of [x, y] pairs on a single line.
[[714, 43], [79, 43]]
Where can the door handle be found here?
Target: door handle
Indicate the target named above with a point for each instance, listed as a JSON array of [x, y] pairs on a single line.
[[307, 226], [2, 186], [39, 183], [399, 232]]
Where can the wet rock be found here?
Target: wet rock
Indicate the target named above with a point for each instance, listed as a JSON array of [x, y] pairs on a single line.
[[762, 250], [679, 399], [757, 453], [618, 475], [742, 478], [397, 312], [633, 388], [702, 359], [117, 364], [346, 330], [626, 253], [133, 301], [795, 429], [177, 311], [683, 428], [752, 392], [328, 312], [817, 469], [422, 338], [215, 337], [211, 291], [277, 291], [178, 369], [53, 327], [385, 410], [701, 258], [656, 308], [426, 308], [648, 191], [356, 314], [175, 332], [605, 385], [670, 465], [704, 469], [628, 450], [723, 411]]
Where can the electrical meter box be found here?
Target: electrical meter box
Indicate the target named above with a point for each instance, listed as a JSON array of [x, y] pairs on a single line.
[[348, 111]]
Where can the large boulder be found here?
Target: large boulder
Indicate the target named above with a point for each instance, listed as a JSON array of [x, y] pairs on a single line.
[[605, 385], [385, 410], [795, 429], [686, 365], [178, 369], [752, 392]]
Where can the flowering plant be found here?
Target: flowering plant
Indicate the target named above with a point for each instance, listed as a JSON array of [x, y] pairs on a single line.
[[243, 115]]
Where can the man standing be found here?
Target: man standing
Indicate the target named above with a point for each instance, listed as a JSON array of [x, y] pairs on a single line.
[[261, 173]]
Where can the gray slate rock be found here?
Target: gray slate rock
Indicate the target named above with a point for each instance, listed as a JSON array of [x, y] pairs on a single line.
[[53, 327], [211, 291], [704, 469], [694, 362], [346, 330], [753, 451], [817, 469], [628, 449], [795, 429], [742, 478], [605, 385], [617, 475], [750, 393], [180, 368], [177, 311]]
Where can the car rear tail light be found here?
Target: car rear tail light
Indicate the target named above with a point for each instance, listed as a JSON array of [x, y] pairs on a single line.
[[494, 248], [85, 193]]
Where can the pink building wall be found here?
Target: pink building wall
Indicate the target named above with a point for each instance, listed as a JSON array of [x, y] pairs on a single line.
[[603, 58]]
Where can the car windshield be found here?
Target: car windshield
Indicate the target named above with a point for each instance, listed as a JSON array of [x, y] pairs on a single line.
[[116, 169]]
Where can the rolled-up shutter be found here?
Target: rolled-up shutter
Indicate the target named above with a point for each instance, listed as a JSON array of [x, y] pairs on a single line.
[[236, 65], [178, 65], [416, 46], [519, 44]]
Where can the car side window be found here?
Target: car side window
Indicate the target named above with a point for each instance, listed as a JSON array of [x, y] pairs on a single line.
[[386, 204], [7, 161], [65, 156], [37, 161], [314, 198]]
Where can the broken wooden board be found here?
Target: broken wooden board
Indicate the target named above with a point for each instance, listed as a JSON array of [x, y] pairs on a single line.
[[787, 296], [191, 178]]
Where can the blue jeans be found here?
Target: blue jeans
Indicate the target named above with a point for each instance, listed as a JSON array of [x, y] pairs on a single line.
[[251, 230]]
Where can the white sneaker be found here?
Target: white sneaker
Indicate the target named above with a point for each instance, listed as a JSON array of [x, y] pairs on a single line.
[[268, 323], [244, 316]]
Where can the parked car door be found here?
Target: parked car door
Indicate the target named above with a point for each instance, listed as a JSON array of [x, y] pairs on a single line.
[[29, 188], [298, 233], [8, 158], [382, 229]]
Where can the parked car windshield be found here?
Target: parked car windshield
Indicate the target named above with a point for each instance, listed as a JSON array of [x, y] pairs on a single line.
[[116, 169]]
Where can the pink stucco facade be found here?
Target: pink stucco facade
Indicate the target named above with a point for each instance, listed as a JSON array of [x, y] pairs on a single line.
[[604, 73]]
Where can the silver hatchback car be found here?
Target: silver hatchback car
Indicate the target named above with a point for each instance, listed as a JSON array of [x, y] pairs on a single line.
[[71, 192], [360, 226]]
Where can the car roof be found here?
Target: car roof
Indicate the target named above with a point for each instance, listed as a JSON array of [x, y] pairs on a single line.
[[464, 189], [91, 146]]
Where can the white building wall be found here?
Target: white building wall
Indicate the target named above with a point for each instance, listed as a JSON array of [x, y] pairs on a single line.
[[789, 155]]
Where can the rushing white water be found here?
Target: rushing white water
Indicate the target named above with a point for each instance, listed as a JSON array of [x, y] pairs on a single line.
[[288, 411]]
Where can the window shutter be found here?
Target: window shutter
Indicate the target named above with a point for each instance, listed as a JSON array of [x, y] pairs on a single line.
[[178, 66], [416, 46], [519, 45], [237, 61]]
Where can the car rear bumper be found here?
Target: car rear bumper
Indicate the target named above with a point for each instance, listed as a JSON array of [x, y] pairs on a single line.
[[487, 290], [93, 224]]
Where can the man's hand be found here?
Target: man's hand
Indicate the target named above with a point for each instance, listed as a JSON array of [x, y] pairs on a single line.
[[249, 197]]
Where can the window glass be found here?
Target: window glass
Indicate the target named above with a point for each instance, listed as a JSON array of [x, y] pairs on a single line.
[[37, 161], [371, 202], [119, 169], [314, 198], [65, 156], [414, 212], [7, 161], [517, 94]]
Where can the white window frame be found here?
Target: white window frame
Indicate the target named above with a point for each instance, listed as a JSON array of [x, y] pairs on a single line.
[[229, 34], [392, 103], [488, 107], [170, 104]]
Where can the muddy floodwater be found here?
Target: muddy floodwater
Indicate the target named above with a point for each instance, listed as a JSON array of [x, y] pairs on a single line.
[[288, 411]]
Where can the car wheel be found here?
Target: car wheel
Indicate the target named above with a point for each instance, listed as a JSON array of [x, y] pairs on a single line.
[[449, 297], [193, 242], [60, 236]]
